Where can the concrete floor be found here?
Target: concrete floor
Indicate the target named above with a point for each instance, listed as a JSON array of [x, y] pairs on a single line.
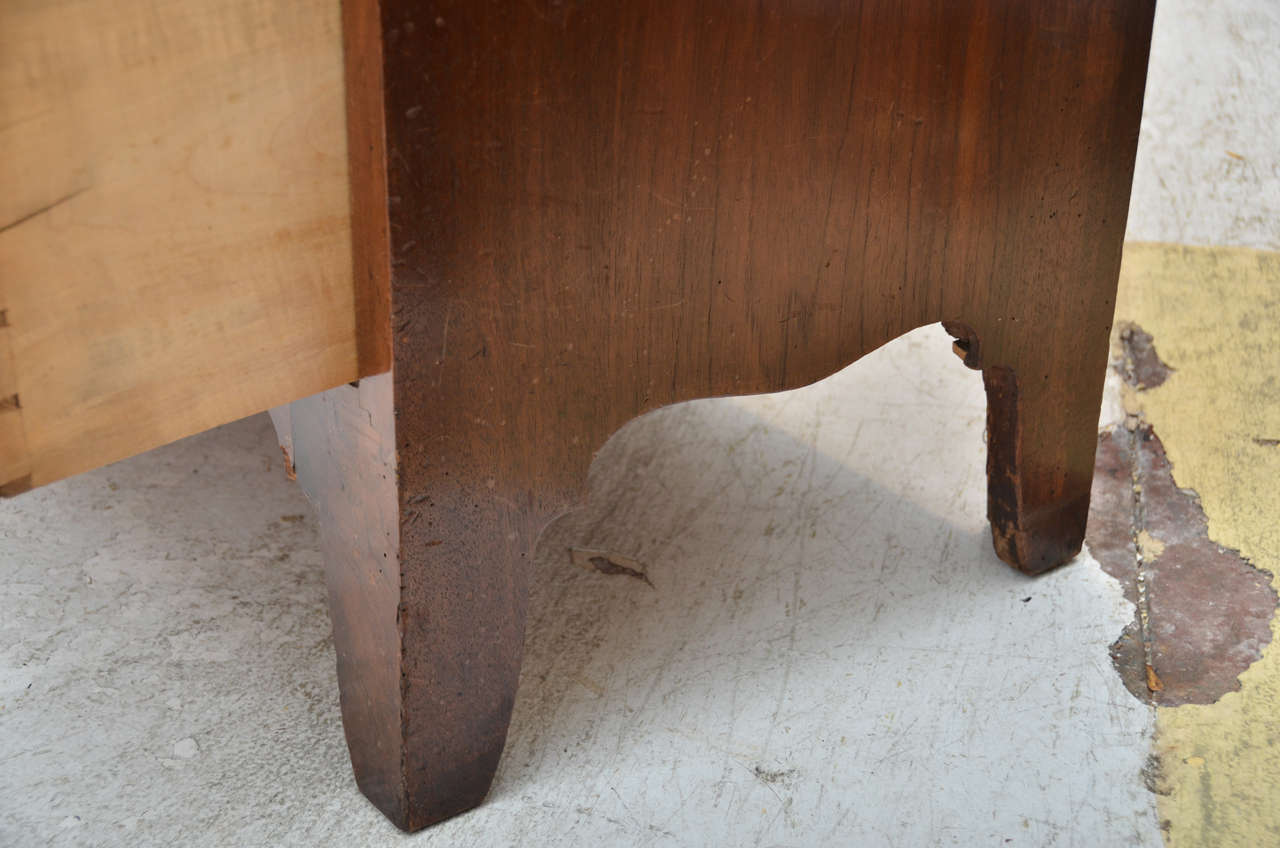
[[829, 653]]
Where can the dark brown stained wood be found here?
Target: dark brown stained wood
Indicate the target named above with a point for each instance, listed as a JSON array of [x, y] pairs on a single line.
[[340, 445], [367, 163], [596, 209]]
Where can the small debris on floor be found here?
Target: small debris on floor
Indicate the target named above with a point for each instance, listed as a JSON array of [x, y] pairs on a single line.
[[605, 562]]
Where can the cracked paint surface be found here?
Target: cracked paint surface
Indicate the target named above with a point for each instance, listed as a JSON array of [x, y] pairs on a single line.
[[1202, 613], [1215, 315]]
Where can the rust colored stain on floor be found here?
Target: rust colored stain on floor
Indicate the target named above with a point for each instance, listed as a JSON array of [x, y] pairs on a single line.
[[1203, 613]]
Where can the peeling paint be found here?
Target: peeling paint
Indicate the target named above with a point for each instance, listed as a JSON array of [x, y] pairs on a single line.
[[1150, 546], [1202, 613], [1215, 312], [1140, 365]]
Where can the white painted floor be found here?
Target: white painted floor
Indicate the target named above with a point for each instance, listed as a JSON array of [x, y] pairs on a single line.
[[1208, 167], [830, 654]]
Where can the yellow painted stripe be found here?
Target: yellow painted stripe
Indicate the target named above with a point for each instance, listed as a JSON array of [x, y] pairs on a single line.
[[1214, 314]]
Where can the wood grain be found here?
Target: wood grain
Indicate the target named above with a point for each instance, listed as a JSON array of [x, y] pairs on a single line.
[[341, 445], [367, 160], [174, 226], [594, 210]]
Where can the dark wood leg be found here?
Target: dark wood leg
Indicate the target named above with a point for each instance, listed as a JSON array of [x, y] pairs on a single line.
[[427, 591], [1044, 394], [1042, 423], [340, 446]]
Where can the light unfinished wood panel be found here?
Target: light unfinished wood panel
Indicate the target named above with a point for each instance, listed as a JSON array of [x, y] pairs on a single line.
[[174, 226]]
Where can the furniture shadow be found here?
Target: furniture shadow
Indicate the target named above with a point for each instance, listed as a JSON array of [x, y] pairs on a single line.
[[752, 566]]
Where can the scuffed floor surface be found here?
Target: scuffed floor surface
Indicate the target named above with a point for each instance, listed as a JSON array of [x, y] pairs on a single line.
[[829, 652]]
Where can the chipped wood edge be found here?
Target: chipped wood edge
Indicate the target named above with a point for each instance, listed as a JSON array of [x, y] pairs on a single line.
[[15, 457]]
